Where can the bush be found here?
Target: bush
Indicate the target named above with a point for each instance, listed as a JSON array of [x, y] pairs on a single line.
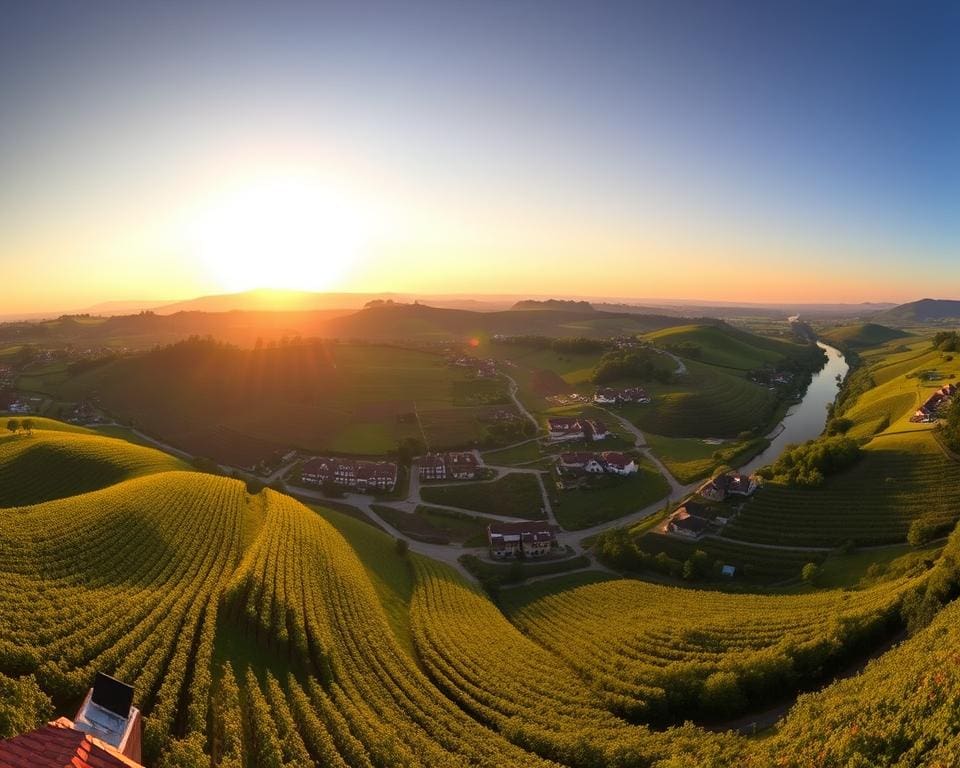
[[23, 706], [811, 573], [921, 532], [401, 546]]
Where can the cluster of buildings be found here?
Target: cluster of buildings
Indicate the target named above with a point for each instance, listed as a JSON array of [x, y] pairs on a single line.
[[771, 378], [350, 473], [576, 428], [611, 396], [483, 368], [613, 462], [694, 519], [521, 539], [453, 465], [723, 486], [930, 410]]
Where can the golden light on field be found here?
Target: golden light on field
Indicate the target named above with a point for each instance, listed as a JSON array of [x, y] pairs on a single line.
[[283, 232]]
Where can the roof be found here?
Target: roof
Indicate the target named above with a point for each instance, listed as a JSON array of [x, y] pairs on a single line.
[[59, 745], [690, 523], [696, 509], [577, 457], [616, 458]]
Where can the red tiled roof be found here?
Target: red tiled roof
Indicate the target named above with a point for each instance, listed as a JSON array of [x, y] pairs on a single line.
[[57, 745]]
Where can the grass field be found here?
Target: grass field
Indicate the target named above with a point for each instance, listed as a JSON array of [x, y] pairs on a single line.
[[438, 526], [860, 335], [725, 346], [608, 497], [707, 402], [356, 399], [513, 495], [690, 459]]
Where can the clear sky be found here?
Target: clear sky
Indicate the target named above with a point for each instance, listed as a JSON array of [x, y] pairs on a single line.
[[748, 151]]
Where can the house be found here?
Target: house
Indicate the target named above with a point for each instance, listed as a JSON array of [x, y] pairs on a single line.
[[609, 395], [462, 465], [731, 483], [683, 524], [432, 467], [564, 428], [455, 465], [930, 411], [521, 539], [618, 463], [350, 473], [606, 396], [106, 733], [581, 461]]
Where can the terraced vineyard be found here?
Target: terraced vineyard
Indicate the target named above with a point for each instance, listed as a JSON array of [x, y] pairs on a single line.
[[255, 636], [900, 478], [506, 680], [53, 464], [667, 652]]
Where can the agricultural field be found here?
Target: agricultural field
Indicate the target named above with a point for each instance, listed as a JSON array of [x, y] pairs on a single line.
[[690, 459], [607, 497], [354, 399], [437, 525], [52, 464], [254, 628], [900, 478], [513, 495], [667, 653]]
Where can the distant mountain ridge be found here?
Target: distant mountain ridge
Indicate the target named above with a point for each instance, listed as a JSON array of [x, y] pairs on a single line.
[[922, 311], [581, 306]]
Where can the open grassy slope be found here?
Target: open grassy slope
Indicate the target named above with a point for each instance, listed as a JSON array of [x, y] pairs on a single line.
[[52, 463], [859, 335], [724, 345]]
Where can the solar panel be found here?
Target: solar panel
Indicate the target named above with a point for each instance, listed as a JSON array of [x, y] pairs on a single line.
[[112, 695]]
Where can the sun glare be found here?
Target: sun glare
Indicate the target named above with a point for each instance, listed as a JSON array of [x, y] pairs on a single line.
[[286, 233]]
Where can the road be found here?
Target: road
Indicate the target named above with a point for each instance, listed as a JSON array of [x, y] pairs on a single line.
[[512, 390]]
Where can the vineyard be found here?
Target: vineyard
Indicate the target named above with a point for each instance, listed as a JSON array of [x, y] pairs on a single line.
[[52, 464], [256, 636], [666, 653], [900, 478]]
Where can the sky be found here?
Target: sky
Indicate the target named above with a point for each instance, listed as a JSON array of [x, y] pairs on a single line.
[[719, 150]]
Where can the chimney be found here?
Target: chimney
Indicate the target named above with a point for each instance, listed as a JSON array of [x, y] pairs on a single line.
[[108, 714]]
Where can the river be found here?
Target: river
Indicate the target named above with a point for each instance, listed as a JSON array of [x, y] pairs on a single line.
[[805, 420]]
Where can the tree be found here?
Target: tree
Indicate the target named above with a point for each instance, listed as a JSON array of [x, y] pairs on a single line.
[[27, 425], [401, 546], [13, 425], [811, 573], [921, 532]]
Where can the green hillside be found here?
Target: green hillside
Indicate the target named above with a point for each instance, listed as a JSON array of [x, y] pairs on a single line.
[[859, 335], [51, 464], [258, 633], [723, 345]]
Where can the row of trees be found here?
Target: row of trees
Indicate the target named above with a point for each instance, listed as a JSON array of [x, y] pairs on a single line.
[[809, 463], [638, 364]]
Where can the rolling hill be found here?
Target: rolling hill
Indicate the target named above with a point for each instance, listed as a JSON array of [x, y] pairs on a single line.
[[256, 633], [919, 312], [723, 345], [860, 335]]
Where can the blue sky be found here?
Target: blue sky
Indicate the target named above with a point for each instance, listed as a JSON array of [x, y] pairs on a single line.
[[728, 150]]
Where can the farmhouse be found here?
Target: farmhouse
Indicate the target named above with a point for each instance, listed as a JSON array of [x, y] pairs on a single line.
[[729, 484], [350, 473], [618, 463], [930, 411], [580, 461], [522, 539], [609, 395], [455, 465], [702, 511], [576, 428], [683, 524]]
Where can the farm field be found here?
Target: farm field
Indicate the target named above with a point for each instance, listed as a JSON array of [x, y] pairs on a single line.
[[664, 652], [691, 459], [513, 495], [899, 479], [436, 525], [51, 464], [607, 497], [355, 399]]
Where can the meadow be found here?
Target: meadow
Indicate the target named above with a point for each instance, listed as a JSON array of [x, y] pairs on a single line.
[[513, 495]]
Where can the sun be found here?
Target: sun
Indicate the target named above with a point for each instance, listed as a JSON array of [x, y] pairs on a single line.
[[283, 232]]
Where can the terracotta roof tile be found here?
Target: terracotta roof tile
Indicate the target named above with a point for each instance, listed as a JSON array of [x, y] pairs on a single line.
[[57, 746]]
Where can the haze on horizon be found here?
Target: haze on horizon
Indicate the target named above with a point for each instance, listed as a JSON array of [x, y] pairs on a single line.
[[755, 152]]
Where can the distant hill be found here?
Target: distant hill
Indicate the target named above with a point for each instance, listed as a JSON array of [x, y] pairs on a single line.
[[721, 344], [860, 335], [561, 304], [922, 311]]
